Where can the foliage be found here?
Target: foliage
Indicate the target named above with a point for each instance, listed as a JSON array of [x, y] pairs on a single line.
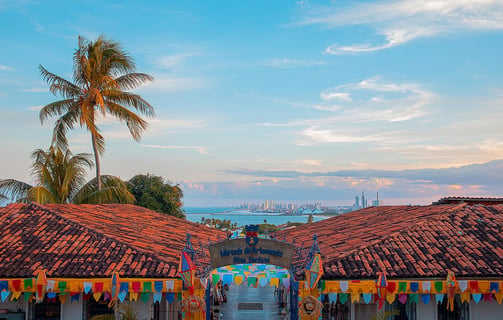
[[383, 314], [267, 228], [310, 219], [293, 224], [154, 193], [128, 312], [105, 316], [59, 177], [102, 74], [219, 224]]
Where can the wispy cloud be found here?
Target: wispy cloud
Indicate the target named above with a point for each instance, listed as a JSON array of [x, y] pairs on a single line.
[[285, 63], [171, 61], [339, 187], [113, 128], [398, 22], [489, 173], [4, 67], [35, 108], [162, 84], [362, 113], [35, 89], [199, 149]]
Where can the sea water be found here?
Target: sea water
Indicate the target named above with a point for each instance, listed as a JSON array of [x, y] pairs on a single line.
[[243, 217]]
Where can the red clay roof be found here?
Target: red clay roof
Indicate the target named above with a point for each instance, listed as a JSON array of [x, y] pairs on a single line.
[[93, 240], [409, 241]]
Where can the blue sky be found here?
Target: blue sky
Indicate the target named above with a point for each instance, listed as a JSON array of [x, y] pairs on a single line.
[[294, 101]]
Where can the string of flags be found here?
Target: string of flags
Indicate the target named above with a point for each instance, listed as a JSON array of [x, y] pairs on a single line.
[[135, 289], [251, 275], [404, 290]]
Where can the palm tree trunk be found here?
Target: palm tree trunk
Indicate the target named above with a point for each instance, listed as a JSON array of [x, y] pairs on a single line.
[[97, 161]]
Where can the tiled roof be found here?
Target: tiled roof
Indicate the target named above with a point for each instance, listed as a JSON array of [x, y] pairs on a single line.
[[469, 200], [409, 241], [93, 240]]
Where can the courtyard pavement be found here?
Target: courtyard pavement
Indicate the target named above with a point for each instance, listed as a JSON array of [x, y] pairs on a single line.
[[240, 298]]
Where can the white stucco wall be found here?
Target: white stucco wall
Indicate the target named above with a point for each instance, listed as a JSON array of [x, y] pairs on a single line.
[[72, 310], [486, 310], [14, 306], [426, 311]]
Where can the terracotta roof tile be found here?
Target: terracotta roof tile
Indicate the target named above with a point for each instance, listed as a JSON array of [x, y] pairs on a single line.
[[93, 240], [409, 241]]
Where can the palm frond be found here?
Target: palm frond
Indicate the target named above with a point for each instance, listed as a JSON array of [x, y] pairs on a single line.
[[131, 81], [130, 100], [59, 85], [55, 108], [14, 189], [135, 123], [383, 314], [42, 195], [114, 190]]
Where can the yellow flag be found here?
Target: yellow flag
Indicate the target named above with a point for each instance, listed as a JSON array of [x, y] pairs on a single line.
[[238, 279], [390, 297], [499, 297], [97, 296], [274, 282], [355, 297], [15, 295]]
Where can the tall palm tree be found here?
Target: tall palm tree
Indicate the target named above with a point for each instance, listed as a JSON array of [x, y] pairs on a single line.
[[102, 74], [60, 178]]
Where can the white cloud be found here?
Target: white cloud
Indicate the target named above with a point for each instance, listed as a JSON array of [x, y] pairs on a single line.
[[339, 136], [113, 128], [171, 61], [35, 89], [330, 95], [163, 84], [199, 149], [3, 67], [311, 162], [291, 63], [401, 21], [35, 108]]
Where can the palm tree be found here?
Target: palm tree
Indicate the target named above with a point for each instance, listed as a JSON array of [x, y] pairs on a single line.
[[60, 178], [102, 74]]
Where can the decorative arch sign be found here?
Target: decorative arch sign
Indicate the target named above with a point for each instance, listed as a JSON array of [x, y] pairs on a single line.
[[258, 250]]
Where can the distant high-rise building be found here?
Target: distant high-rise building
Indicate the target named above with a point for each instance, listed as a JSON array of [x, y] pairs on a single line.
[[364, 202], [357, 203]]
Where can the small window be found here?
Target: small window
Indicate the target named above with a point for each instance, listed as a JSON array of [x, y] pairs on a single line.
[[407, 310], [46, 310], [335, 310], [93, 308], [365, 311], [461, 310]]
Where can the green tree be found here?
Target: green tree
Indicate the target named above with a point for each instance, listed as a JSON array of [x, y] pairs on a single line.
[[383, 314], [102, 74], [219, 224], [154, 193], [59, 177]]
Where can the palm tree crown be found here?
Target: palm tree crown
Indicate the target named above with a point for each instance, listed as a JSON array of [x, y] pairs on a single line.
[[59, 177], [102, 75]]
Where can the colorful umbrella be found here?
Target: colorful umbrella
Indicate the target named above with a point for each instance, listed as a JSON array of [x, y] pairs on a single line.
[[314, 271], [187, 271]]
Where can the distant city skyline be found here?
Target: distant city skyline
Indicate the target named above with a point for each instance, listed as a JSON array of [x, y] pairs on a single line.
[[298, 101]]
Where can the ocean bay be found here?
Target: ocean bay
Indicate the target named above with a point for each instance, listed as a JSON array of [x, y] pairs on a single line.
[[243, 217]]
